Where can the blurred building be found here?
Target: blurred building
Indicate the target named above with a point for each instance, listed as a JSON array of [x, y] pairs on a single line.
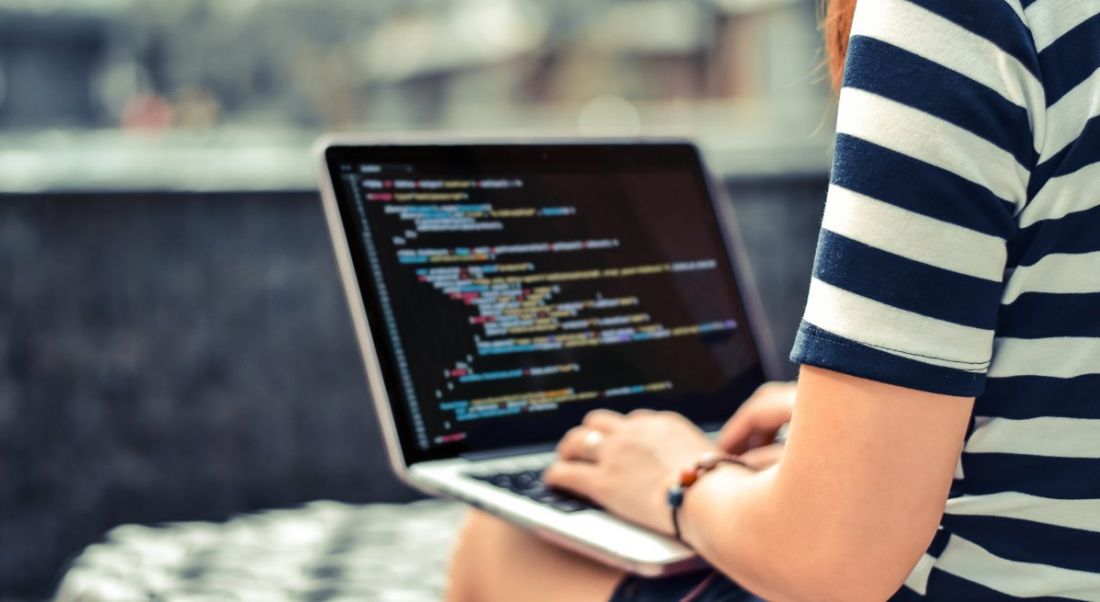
[[398, 64]]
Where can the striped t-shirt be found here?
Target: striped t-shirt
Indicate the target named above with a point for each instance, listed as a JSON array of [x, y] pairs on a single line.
[[960, 254]]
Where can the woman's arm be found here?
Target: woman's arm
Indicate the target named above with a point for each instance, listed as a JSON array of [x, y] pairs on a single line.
[[854, 502], [846, 513]]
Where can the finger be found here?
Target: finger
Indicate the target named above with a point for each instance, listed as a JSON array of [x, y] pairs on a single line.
[[570, 442], [763, 457], [752, 429], [761, 416], [578, 477], [736, 435], [604, 420], [580, 444]]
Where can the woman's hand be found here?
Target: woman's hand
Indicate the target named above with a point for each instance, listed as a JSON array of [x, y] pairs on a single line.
[[626, 463], [754, 426]]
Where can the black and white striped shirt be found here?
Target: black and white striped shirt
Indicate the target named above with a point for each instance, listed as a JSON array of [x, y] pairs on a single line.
[[960, 254]]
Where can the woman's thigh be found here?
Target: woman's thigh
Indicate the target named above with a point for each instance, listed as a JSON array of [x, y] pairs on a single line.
[[498, 561]]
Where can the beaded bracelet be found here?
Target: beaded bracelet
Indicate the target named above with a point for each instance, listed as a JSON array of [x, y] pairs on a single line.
[[690, 475]]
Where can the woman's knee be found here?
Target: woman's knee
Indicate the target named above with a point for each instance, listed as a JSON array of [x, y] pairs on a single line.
[[495, 560], [471, 555]]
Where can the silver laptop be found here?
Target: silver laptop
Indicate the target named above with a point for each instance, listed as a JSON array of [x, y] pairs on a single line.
[[500, 291]]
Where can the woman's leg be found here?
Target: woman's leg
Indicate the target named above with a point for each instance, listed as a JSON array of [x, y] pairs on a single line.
[[498, 561]]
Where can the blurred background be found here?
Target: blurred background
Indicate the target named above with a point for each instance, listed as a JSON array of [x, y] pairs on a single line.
[[173, 340]]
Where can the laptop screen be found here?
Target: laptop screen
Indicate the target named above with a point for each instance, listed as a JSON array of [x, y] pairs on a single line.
[[510, 289]]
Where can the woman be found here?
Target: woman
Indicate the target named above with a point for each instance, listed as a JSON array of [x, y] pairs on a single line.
[[945, 443]]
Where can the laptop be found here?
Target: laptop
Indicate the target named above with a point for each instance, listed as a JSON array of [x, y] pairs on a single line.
[[501, 290]]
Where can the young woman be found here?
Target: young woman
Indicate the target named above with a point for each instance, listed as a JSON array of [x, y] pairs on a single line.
[[945, 432]]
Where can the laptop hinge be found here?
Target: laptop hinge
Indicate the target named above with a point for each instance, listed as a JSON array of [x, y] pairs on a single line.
[[506, 452]]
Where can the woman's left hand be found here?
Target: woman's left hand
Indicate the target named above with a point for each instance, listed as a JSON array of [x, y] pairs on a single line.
[[626, 463]]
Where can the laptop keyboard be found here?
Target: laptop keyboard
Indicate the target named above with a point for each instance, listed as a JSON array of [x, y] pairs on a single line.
[[528, 483]]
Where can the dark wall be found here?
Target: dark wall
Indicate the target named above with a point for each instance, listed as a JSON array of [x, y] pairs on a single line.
[[189, 356]]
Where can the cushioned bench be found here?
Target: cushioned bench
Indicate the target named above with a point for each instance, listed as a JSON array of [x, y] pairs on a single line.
[[322, 551]]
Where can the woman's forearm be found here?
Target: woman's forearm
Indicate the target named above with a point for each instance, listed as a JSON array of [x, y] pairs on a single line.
[[772, 545], [726, 518], [852, 504]]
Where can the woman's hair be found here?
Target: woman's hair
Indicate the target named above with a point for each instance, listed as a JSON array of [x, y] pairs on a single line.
[[836, 24]]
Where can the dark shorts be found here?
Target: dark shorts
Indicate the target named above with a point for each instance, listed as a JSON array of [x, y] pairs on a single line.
[[702, 586]]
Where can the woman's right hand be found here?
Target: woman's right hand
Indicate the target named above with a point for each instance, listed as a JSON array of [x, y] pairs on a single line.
[[751, 430]]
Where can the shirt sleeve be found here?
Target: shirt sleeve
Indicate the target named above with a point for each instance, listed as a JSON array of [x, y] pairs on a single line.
[[935, 142]]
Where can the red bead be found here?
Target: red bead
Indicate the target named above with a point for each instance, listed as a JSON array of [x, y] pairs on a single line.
[[688, 476]]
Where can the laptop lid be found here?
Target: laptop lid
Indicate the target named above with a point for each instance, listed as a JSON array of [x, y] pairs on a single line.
[[501, 291]]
